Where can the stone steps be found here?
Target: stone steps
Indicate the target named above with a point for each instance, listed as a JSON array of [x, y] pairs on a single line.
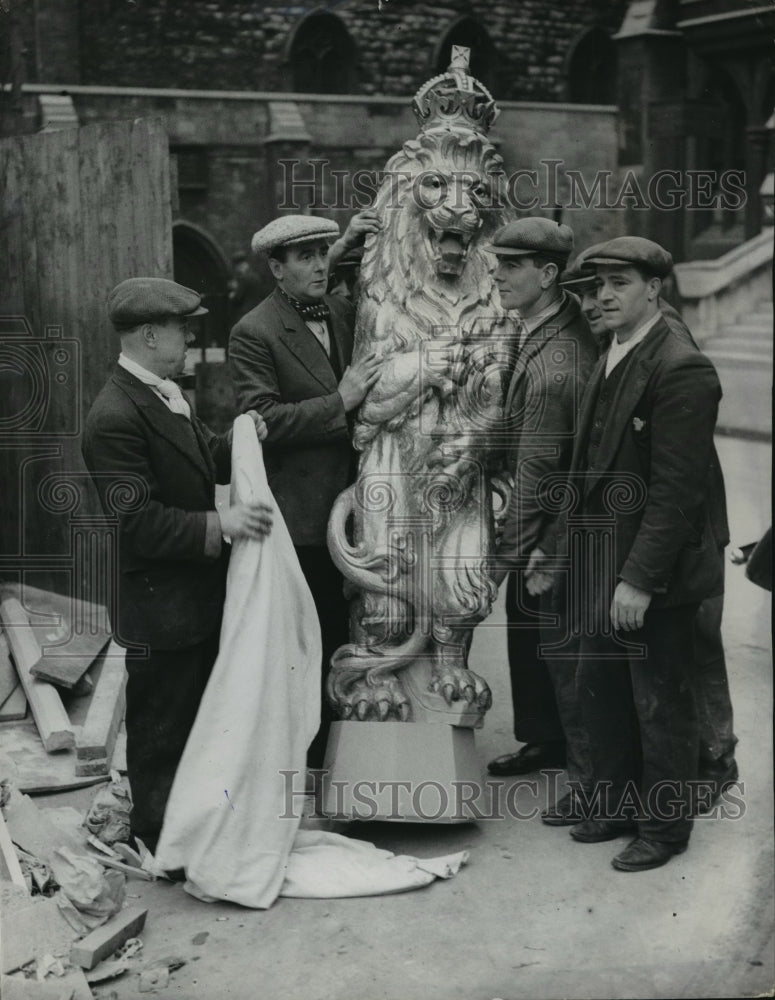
[[748, 343]]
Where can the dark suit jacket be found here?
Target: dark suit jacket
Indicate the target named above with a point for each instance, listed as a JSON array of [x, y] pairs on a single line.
[[659, 434], [280, 369], [170, 593], [541, 410]]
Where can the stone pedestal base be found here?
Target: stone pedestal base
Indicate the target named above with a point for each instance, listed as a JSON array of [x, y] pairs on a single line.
[[401, 771]]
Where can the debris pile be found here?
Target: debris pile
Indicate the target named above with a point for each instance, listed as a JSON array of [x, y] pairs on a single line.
[[64, 921], [57, 661]]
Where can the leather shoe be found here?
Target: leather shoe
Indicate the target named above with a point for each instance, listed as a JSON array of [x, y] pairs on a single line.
[[642, 854], [531, 757], [565, 812], [595, 831]]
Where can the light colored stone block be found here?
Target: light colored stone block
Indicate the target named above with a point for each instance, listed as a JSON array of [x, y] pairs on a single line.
[[400, 771]]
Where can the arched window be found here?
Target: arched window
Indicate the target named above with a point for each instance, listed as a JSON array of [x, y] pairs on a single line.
[[198, 263], [592, 68], [321, 56], [469, 32]]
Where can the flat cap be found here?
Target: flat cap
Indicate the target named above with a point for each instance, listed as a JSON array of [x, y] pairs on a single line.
[[142, 300], [581, 272], [352, 258], [532, 235], [290, 229], [629, 250]]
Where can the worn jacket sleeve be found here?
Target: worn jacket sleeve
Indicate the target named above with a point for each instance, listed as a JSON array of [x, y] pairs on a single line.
[[259, 386], [117, 453], [686, 395], [219, 446]]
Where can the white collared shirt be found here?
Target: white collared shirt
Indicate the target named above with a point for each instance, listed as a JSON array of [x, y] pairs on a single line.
[[617, 351], [319, 328], [533, 322], [153, 382]]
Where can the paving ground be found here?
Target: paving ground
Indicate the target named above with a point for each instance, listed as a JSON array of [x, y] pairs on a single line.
[[534, 915]]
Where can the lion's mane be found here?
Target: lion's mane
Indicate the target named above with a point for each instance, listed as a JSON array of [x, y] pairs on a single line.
[[403, 300]]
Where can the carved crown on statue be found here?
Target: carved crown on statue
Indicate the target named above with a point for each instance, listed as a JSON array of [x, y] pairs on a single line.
[[455, 99]]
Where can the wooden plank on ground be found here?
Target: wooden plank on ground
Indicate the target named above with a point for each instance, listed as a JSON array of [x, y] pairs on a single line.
[[71, 633], [33, 770], [32, 830], [50, 716], [11, 868], [14, 708], [119, 754], [9, 679], [13, 700], [96, 739], [106, 939]]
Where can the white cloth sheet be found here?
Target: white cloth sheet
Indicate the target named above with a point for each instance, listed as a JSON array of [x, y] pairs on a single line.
[[228, 820], [258, 715]]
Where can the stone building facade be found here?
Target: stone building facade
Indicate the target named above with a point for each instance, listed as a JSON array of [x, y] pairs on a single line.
[[631, 88], [520, 47]]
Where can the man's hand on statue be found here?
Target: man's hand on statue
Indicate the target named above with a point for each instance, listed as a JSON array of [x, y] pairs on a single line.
[[629, 606], [537, 579], [360, 226], [259, 423], [358, 378], [538, 583], [246, 520]]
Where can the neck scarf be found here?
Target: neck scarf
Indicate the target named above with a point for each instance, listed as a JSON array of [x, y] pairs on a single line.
[[311, 310]]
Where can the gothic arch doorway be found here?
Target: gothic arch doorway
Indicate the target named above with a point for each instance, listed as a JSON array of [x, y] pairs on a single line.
[[198, 263], [321, 56], [591, 68], [469, 32]]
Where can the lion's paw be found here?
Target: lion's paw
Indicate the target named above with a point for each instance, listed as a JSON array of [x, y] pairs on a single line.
[[376, 702], [459, 684]]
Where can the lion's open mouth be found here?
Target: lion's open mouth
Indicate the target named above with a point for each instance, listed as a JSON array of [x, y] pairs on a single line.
[[450, 250]]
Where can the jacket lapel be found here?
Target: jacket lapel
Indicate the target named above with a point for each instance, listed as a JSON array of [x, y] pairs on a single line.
[[533, 345], [342, 335], [301, 342], [586, 414], [640, 365], [167, 424]]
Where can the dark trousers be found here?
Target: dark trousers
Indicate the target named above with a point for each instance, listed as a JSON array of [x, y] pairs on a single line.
[[326, 584], [536, 718], [163, 693], [717, 737], [641, 717]]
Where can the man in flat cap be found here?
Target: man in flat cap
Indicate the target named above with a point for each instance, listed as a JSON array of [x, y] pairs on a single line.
[[648, 521], [717, 763], [290, 360], [555, 356], [141, 440]]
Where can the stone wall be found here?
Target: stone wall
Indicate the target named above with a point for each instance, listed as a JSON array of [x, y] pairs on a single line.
[[241, 184], [245, 44]]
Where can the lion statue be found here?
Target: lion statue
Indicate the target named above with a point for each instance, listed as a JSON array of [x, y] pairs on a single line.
[[414, 534]]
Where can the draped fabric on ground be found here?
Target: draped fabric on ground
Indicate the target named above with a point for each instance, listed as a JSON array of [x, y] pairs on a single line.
[[328, 865], [258, 715], [228, 820]]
